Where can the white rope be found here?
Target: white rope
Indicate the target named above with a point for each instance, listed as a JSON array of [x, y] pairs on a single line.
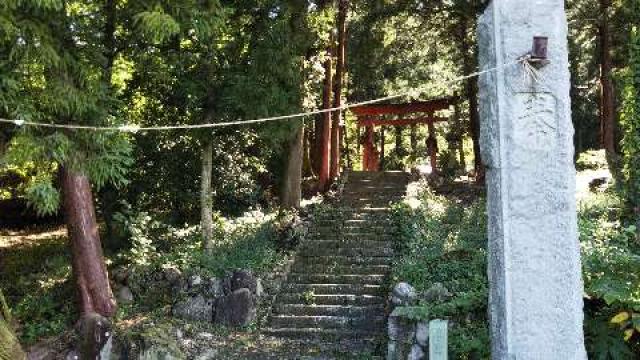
[[136, 128]]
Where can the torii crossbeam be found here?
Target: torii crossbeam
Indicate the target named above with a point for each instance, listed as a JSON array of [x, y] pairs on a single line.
[[370, 116]]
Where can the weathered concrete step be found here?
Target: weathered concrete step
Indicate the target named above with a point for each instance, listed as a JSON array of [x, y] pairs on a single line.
[[349, 252], [302, 278], [328, 310], [367, 323], [369, 241], [333, 289], [324, 334], [331, 299], [344, 260], [355, 269]]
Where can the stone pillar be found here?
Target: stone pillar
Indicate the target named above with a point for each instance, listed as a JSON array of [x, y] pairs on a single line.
[[526, 140]]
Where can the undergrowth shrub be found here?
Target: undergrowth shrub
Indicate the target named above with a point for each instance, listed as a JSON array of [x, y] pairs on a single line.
[[249, 242], [443, 242], [610, 263]]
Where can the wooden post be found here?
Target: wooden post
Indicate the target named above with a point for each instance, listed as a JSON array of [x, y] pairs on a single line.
[[325, 136], [382, 157], [432, 148]]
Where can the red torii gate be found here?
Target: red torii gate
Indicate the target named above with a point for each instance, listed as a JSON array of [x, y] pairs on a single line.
[[370, 116]]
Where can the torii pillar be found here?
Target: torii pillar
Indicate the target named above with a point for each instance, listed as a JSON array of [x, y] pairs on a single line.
[[526, 139]]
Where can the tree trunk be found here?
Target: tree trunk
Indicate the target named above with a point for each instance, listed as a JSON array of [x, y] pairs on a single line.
[[336, 134], [307, 168], [89, 269], [469, 65], [607, 102], [206, 196], [291, 190], [9, 346], [325, 135], [109, 39], [399, 150], [459, 136]]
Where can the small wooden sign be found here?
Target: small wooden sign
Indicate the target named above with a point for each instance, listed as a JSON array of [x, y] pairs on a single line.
[[438, 339]]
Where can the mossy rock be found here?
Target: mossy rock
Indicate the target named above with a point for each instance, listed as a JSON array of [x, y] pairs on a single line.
[[154, 341]]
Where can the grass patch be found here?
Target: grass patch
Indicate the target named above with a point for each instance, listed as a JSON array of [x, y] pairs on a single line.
[[36, 281]]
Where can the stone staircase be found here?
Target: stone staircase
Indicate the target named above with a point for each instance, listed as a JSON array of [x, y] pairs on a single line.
[[335, 296]]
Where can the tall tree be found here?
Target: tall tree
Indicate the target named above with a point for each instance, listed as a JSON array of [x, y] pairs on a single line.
[[337, 131], [607, 94], [57, 58]]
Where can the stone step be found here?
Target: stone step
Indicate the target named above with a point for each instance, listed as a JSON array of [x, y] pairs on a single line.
[[348, 252], [328, 310], [386, 236], [383, 206], [367, 323], [345, 212], [333, 289], [344, 260], [382, 222], [301, 267], [315, 334], [302, 278], [397, 193], [348, 242], [352, 225], [331, 299]]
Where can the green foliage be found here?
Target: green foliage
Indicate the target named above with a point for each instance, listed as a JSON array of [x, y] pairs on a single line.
[[610, 259], [248, 242], [57, 75], [444, 243], [630, 124], [37, 281], [157, 25], [592, 160], [605, 342], [609, 252]]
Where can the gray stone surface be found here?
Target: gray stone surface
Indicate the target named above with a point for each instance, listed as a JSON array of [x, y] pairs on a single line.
[[437, 292], [214, 288], [236, 309], [400, 328], [244, 279], [416, 353], [403, 294], [526, 141], [125, 296], [196, 308], [422, 333]]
